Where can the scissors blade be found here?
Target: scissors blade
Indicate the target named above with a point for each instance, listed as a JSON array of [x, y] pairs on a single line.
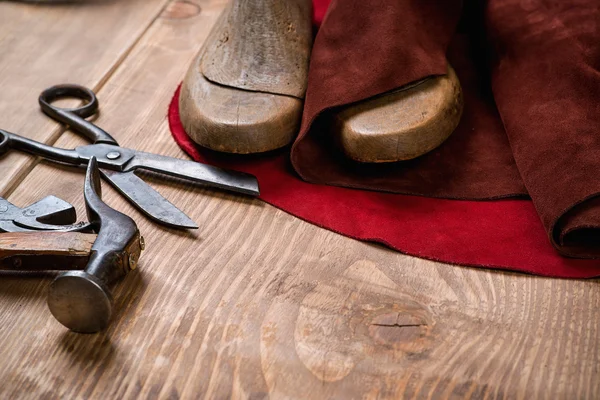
[[148, 200], [234, 181]]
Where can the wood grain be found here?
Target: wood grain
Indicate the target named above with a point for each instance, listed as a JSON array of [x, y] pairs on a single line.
[[261, 45], [55, 243], [243, 92], [47, 44], [237, 121], [259, 304], [45, 251], [401, 125]]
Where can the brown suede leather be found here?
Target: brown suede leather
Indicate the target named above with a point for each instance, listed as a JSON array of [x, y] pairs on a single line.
[[543, 74], [546, 82]]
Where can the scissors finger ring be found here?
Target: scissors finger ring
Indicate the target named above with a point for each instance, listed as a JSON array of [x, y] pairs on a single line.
[[69, 91]]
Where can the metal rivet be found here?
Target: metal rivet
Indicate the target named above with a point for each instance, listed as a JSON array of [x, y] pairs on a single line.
[[132, 261], [142, 243], [3, 209], [113, 155]]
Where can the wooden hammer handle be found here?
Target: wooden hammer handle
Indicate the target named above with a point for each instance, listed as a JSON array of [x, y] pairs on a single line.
[[45, 251]]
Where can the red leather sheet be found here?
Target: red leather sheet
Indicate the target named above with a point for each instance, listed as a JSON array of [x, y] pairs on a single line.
[[504, 234]]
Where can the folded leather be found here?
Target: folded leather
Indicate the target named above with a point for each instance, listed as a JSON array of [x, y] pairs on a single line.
[[542, 139], [546, 82], [391, 44]]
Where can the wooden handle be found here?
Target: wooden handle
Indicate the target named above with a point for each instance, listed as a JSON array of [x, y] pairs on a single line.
[[45, 251]]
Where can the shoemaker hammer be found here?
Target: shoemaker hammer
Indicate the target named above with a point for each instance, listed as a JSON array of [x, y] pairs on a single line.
[[90, 263]]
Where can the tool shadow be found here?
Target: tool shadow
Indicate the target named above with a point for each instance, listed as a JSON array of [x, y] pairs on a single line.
[[31, 288]]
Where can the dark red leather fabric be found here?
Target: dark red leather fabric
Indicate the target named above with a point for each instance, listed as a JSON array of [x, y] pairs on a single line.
[[546, 82], [543, 57], [478, 161], [503, 234]]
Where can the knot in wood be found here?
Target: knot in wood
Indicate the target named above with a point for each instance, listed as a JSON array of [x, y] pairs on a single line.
[[397, 327]]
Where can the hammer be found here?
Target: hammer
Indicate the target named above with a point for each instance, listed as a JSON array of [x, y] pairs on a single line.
[[79, 298]]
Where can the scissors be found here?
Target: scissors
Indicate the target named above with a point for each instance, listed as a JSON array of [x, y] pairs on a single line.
[[118, 164]]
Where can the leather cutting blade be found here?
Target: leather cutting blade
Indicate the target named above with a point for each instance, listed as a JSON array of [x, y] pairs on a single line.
[[148, 200], [234, 181]]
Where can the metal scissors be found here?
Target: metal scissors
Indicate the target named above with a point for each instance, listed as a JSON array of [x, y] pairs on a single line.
[[118, 164]]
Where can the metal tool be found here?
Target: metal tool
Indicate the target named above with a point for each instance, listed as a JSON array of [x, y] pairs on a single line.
[[50, 213], [80, 298], [117, 164]]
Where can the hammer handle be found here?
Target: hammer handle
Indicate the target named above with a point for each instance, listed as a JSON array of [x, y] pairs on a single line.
[[45, 251]]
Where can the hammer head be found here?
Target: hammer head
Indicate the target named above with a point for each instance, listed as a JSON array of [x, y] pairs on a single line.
[[81, 300]]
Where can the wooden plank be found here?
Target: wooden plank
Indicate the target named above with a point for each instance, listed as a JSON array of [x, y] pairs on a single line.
[[257, 303], [46, 44], [45, 251]]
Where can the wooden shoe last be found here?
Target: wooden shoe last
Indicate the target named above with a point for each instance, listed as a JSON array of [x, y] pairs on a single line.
[[403, 124], [244, 92]]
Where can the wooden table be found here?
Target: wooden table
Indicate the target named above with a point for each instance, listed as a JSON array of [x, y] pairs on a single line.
[[256, 303]]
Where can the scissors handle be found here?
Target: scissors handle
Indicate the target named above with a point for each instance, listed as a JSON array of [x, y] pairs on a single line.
[[12, 141], [75, 117]]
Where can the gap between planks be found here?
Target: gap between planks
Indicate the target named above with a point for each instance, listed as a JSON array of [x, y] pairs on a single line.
[[58, 132]]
